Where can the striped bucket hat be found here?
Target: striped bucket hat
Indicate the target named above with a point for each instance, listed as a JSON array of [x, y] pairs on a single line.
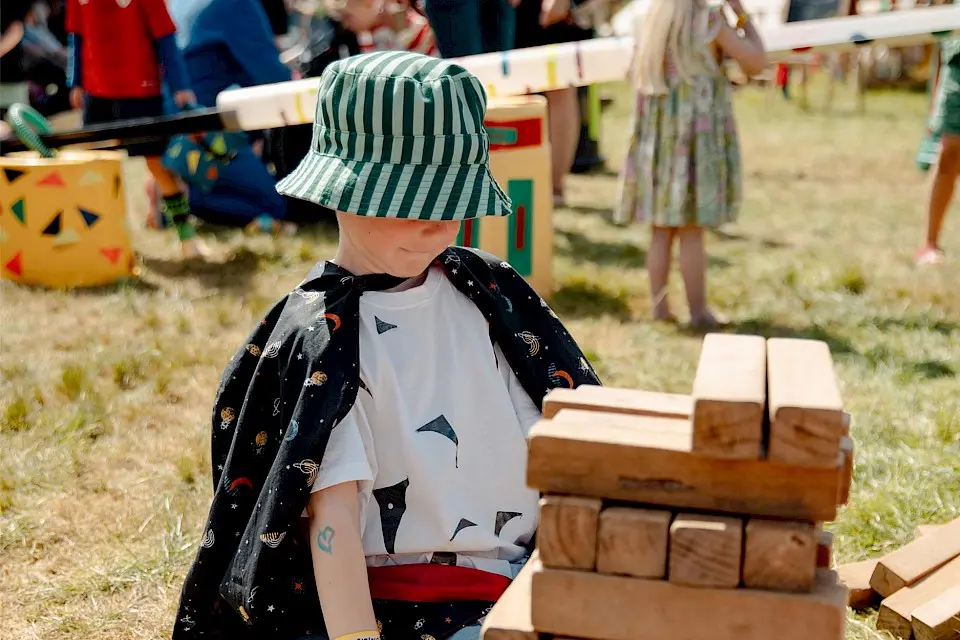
[[399, 135]]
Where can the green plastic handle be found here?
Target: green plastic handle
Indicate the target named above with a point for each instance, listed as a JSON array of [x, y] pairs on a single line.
[[29, 125]]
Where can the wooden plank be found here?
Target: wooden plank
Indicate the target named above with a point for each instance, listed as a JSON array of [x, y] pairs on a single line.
[[591, 605], [631, 465], [779, 555], [939, 619], [846, 468], [567, 534], [729, 396], [855, 576], [824, 549], [916, 559], [666, 433], [927, 529], [633, 542], [806, 412], [510, 617], [705, 551], [616, 400], [896, 612]]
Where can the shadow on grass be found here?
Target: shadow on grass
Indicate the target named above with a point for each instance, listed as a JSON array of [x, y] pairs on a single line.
[[234, 273], [729, 236], [582, 298], [876, 359], [913, 323], [629, 254], [133, 283]]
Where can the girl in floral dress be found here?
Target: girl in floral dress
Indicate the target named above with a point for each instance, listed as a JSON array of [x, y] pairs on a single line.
[[682, 171]]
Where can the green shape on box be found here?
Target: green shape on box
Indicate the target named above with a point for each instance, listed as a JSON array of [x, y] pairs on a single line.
[[520, 240], [502, 135]]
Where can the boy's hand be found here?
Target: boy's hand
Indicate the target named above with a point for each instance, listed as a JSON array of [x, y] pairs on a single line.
[[76, 98], [185, 98]]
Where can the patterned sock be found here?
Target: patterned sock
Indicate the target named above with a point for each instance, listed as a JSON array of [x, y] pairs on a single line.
[[176, 209]]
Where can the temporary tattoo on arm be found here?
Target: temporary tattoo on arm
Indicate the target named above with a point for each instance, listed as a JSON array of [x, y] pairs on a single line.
[[325, 540]]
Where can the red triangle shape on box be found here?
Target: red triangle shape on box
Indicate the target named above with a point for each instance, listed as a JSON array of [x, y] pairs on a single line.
[[53, 179], [112, 253], [15, 266]]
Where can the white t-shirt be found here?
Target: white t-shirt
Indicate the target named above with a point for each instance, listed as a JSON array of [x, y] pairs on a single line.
[[437, 437]]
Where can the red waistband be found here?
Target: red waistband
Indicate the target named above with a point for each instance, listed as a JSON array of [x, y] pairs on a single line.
[[435, 583]]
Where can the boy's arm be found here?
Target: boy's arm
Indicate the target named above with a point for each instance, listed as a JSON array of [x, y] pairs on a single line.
[[339, 565], [164, 34]]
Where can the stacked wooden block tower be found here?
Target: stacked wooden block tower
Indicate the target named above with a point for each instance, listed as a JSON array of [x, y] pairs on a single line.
[[689, 517]]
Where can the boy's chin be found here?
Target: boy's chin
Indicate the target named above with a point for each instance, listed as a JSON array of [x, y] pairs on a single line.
[[411, 265]]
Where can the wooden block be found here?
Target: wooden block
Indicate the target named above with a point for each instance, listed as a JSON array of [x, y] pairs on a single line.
[[927, 529], [806, 413], [567, 535], [666, 433], [779, 555], [510, 617], [896, 612], [855, 576], [705, 551], [824, 549], [729, 396], [606, 461], [633, 542], [614, 400], [916, 559], [846, 468], [939, 619], [592, 605]]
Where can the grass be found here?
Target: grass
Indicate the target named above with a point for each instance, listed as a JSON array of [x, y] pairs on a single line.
[[105, 394]]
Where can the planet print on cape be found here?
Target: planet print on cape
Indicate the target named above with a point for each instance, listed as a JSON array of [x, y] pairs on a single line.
[[393, 504], [333, 318]]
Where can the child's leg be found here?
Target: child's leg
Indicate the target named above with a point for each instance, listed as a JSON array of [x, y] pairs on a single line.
[[176, 208], [941, 193], [659, 258], [693, 267]]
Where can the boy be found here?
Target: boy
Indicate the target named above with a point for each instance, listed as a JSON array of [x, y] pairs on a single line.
[[120, 52], [389, 395]]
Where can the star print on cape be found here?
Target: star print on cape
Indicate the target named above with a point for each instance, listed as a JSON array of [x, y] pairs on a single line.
[[383, 327], [393, 504], [442, 426], [264, 490]]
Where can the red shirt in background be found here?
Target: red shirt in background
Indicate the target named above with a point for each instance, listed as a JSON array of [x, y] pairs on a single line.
[[119, 59]]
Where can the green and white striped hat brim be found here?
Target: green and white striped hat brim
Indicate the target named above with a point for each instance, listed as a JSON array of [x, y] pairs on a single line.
[[399, 135]]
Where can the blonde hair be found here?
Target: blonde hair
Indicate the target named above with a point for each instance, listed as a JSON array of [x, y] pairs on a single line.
[[668, 31]]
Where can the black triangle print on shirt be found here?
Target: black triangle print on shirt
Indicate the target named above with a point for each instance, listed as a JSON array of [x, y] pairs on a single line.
[[393, 504], [463, 524], [503, 517], [442, 426], [383, 327]]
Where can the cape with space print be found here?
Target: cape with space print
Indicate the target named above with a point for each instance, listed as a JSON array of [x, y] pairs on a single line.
[[296, 377]]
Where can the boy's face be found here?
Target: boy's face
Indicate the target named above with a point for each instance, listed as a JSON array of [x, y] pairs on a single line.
[[402, 248]]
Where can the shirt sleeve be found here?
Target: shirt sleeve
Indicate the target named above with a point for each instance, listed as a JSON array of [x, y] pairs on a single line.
[[158, 18], [252, 44], [349, 456], [528, 413], [171, 60]]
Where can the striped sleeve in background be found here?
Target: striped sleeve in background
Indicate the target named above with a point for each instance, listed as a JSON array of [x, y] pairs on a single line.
[[417, 37]]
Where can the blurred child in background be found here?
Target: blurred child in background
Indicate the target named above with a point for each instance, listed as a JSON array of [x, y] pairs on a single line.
[[682, 172], [121, 52], [385, 25]]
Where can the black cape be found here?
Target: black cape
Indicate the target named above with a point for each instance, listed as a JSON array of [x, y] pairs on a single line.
[[280, 396]]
